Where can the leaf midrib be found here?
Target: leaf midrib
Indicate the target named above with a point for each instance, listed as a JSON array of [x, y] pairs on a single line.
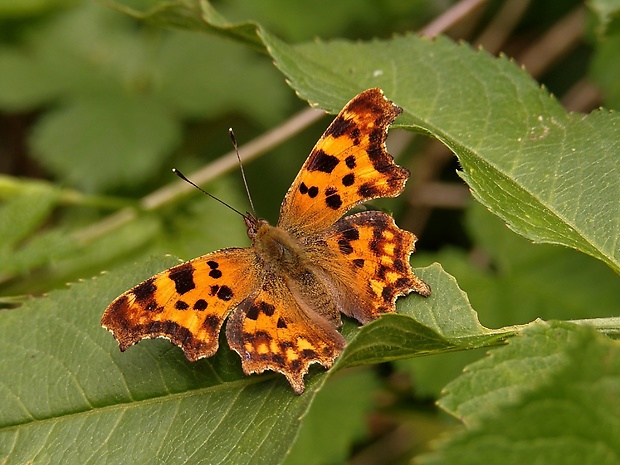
[[452, 143], [230, 385]]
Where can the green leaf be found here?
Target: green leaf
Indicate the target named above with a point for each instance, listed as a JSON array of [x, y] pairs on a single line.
[[87, 50], [90, 396], [327, 433], [24, 245], [607, 15], [24, 212], [519, 282], [529, 281], [192, 15], [525, 280], [550, 396], [187, 82], [117, 94], [24, 82], [552, 176], [69, 141], [89, 399]]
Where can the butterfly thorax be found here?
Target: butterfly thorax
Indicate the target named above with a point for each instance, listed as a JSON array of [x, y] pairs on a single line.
[[278, 250]]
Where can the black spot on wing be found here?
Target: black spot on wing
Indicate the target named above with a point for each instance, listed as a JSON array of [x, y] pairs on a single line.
[[252, 312], [387, 293], [211, 323], [215, 274], [367, 190], [180, 305], [145, 291], [153, 307], [351, 234], [285, 344], [177, 333], [348, 180], [267, 308], [309, 354], [225, 293], [345, 246], [333, 201], [340, 126], [399, 265], [183, 277], [321, 161], [311, 191], [257, 337]]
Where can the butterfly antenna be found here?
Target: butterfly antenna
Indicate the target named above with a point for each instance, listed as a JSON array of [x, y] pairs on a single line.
[[245, 182], [182, 176]]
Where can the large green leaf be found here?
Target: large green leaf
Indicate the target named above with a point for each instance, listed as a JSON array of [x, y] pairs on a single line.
[[90, 400], [550, 396], [518, 283], [552, 176]]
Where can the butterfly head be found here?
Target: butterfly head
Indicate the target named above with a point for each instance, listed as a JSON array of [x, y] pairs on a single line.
[[253, 224]]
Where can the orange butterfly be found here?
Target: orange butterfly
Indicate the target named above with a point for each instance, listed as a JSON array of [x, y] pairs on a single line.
[[284, 294]]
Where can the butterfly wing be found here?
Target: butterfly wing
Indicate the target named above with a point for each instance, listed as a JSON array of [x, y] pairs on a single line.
[[349, 165], [275, 331], [187, 303], [367, 265]]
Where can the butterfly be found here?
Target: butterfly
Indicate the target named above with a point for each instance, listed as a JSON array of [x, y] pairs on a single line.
[[284, 295]]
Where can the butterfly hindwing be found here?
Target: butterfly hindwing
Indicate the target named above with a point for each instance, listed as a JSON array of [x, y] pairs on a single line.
[[369, 266], [271, 331]]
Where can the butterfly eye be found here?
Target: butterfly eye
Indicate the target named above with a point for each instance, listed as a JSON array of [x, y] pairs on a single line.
[[253, 224], [252, 229]]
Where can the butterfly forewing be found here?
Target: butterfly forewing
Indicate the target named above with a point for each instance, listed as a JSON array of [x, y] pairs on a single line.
[[349, 165], [187, 303]]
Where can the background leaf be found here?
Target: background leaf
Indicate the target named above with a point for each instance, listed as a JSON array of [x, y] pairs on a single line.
[[138, 141], [530, 392]]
